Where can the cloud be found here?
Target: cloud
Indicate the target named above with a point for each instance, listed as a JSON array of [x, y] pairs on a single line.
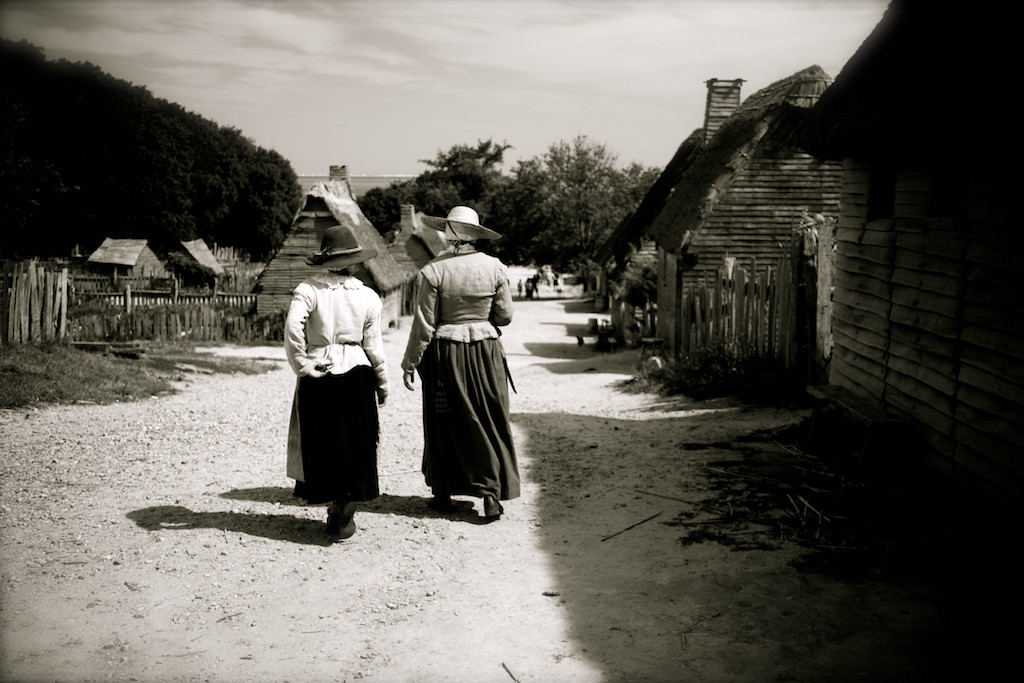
[[628, 72]]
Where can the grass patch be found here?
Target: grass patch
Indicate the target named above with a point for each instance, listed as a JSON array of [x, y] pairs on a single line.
[[55, 373]]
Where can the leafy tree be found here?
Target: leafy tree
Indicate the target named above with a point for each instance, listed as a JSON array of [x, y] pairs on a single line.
[[563, 205], [383, 205], [464, 174]]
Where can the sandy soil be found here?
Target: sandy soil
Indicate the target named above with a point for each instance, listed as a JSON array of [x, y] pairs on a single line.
[[159, 541]]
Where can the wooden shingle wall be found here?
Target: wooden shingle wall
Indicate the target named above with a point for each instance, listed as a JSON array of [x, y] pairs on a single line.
[[929, 320], [753, 220]]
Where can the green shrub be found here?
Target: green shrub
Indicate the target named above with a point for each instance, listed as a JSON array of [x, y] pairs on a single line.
[[716, 371]]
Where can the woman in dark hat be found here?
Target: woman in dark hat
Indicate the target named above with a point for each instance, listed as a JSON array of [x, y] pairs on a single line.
[[333, 342], [464, 297]]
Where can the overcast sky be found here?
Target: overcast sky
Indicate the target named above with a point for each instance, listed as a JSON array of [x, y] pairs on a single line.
[[378, 85]]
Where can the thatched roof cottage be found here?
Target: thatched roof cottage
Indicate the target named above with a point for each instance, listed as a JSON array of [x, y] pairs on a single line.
[[326, 204], [412, 244], [742, 195]]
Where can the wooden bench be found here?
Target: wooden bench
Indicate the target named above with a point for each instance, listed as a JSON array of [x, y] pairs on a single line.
[[881, 433]]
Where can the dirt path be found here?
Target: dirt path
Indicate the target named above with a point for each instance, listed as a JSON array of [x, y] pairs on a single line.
[[158, 541]]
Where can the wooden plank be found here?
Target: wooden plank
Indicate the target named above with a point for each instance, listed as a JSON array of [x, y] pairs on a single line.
[[912, 370], [842, 373], [909, 400], [866, 342]]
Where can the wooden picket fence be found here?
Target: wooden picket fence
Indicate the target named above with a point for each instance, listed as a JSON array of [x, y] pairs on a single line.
[[38, 303], [203, 322], [33, 303], [780, 311]]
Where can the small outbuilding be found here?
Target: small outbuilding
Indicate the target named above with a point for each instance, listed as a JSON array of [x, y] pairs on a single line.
[[127, 258]]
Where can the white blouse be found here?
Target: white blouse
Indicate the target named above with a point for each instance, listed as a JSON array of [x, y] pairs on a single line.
[[335, 319]]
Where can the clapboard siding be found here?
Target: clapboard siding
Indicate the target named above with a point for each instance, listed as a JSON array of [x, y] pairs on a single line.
[[929, 323], [754, 220]]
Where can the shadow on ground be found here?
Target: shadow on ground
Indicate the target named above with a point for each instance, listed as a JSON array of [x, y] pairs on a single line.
[[724, 554], [275, 527]]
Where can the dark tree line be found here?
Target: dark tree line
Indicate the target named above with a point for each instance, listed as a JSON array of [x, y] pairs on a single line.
[[87, 156]]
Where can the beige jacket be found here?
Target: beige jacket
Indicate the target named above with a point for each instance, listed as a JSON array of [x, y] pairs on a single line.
[[463, 297]]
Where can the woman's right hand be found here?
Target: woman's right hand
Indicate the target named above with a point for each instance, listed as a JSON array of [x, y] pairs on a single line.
[[319, 370], [409, 378]]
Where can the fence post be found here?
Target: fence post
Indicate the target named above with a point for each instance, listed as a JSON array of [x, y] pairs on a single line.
[[823, 323], [62, 304], [127, 298]]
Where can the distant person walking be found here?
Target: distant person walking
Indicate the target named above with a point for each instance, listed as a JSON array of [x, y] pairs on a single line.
[[333, 343], [464, 297]]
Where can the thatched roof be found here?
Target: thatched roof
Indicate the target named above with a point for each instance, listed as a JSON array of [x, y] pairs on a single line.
[[631, 230], [119, 252], [386, 272], [201, 253], [769, 117], [933, 77], [412, 244], [434, 240]]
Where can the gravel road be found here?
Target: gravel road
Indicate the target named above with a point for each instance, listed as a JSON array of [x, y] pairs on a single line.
[[158, 541]]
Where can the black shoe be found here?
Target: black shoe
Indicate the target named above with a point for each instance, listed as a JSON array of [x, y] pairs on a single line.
[[492, 508], [341, 521]]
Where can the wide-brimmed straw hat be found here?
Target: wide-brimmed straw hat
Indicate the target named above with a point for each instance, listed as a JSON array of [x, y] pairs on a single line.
[[464, 221], [339, 248]]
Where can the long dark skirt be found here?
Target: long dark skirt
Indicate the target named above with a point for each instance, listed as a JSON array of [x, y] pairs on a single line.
[[339, 431], [468, 447]]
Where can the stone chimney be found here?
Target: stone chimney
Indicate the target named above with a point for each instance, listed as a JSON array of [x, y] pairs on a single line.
[[723, 101]]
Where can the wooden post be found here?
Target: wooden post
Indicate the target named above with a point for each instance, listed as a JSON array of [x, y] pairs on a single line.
[[62, 303], [823, 323], [24, 313], [46, 305], [35, 301], [127, 298], [4, 305], [681, 312]]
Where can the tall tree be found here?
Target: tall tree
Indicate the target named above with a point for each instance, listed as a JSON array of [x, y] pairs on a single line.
[[84, 156], [563, 205], [464, 174]]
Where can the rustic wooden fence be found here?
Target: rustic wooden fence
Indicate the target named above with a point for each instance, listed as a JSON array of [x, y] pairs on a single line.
[[33, 303], [780, 311], [202, 322], [40, 303]]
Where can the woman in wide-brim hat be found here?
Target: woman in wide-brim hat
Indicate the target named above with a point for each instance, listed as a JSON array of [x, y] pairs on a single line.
[[464, 297], [333, 342]]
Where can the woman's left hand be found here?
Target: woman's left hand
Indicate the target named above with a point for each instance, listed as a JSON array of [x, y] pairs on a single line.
[[409, 378]]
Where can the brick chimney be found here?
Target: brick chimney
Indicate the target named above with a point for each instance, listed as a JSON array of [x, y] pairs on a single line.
[[723, 101]]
